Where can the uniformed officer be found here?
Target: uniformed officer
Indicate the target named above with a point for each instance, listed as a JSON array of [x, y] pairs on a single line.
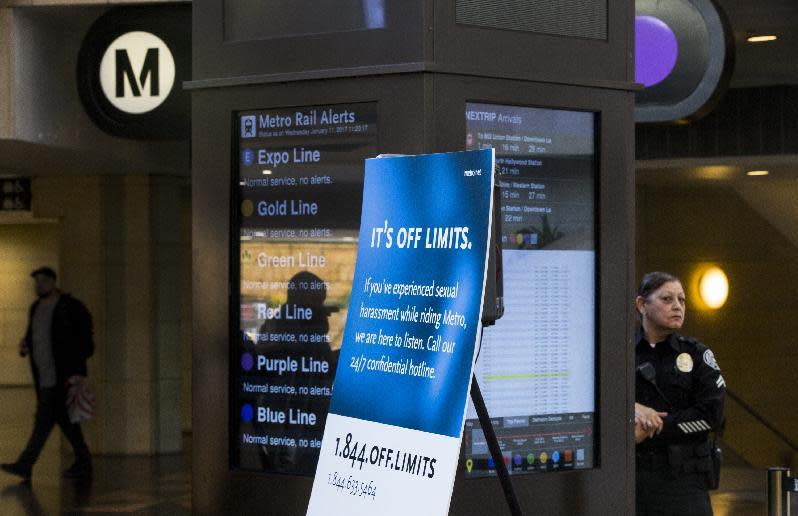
[[679, 401]]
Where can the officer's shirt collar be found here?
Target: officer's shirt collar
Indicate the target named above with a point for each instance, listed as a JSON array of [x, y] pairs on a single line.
[[673, 340]]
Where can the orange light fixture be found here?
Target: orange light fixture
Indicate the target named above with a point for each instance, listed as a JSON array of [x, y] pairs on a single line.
[[713, 287]]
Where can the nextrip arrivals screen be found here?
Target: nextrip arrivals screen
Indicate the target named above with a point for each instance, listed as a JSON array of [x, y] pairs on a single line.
[[298, 191], [536, 366]]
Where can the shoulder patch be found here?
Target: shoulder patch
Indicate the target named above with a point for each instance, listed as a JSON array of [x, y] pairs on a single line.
[[709, 359]]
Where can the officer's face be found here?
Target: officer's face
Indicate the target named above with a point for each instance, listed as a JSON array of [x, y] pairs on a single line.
[[665, 307]]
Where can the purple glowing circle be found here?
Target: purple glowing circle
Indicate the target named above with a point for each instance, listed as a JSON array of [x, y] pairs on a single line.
[[247, 362], [656, 50]]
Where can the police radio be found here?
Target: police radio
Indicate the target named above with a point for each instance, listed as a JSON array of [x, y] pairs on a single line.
[[648, 373]]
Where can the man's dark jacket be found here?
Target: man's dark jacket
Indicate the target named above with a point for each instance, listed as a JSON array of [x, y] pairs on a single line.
[[72, 339]]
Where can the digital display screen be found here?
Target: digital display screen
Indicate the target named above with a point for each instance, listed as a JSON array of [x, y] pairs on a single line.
[[297, 200], [290, 18], [536, 366]]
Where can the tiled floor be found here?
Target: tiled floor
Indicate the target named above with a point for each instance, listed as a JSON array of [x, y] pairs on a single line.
[[121, 485], [743, 492], [161, 485]]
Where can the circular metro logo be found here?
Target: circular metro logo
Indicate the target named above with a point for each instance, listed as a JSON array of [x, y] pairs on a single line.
[[137, 72]]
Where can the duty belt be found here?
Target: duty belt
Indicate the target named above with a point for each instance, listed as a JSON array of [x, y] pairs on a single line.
[[652, 459]]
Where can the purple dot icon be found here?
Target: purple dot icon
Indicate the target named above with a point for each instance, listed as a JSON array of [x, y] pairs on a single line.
[[247, 413], [247, 362]]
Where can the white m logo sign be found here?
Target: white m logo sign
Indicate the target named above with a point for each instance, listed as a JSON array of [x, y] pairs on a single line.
[[137, 72]]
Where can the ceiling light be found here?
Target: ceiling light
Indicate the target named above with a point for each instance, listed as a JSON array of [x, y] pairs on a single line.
[[761, 38], [757, 173]]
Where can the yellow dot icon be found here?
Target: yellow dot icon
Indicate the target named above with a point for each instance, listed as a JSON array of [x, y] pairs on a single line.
[[469, 465], [544, 457], [247, 208]]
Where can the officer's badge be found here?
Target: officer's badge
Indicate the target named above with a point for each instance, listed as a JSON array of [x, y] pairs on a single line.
[[709, 358], [684, 363]]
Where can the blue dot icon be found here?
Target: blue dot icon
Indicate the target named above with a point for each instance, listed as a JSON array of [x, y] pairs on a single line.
[[247, 413], [248, 157], [491, 464], [555, 457]]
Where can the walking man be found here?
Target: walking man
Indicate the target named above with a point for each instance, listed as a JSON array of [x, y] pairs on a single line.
[[59, 339]]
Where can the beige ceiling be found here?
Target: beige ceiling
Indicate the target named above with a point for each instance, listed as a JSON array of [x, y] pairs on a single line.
[[774, 197]]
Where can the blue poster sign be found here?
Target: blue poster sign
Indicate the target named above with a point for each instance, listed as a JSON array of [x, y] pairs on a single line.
[[393, 432]]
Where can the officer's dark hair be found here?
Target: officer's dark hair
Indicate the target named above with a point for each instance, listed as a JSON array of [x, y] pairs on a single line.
[[653, 281]]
